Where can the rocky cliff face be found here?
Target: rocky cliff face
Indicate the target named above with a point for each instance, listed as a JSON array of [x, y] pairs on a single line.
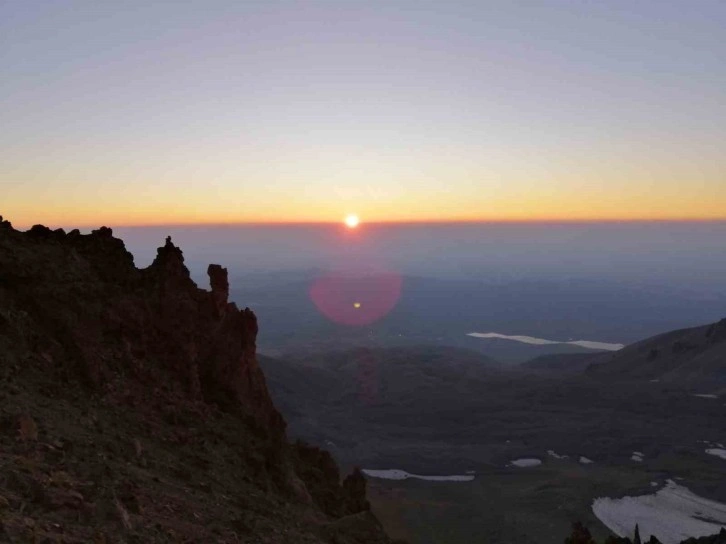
[[133, 407]]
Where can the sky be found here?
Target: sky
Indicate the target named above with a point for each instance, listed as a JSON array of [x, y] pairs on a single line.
[[143, 113]]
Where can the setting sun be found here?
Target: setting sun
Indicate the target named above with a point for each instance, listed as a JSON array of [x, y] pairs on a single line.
[[351, 221]]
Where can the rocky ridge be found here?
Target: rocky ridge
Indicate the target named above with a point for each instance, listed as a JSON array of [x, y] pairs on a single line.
[[132, 408]]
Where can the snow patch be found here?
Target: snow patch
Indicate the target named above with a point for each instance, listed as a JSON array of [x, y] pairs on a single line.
[[396, 474], [717, 452], [672, 514], [585, 461], [526, 462], [589, 344], [706, 396], [551, 453]]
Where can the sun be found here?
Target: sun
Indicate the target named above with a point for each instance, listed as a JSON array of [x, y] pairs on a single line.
[[351, 221]]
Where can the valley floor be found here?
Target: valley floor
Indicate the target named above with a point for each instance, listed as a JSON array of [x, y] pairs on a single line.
[[592, 439]]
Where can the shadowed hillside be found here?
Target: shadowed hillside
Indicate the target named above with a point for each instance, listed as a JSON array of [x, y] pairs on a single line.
[[695, 356]]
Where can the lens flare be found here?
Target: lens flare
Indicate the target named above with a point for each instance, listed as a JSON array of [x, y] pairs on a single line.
[[356, 300]]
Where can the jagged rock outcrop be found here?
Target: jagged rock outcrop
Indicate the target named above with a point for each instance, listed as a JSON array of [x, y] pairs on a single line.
[[354, 488], [132, 407], [97, 314], [317, 469], [220, 287]]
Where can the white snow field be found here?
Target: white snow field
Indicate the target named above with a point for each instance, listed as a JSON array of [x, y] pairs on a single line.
[[589, 344], [526, 462], [672, 514], [717, 452], [395, 474], [554, 454]]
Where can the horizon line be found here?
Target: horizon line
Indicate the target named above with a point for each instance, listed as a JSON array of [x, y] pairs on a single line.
[[363, 223]]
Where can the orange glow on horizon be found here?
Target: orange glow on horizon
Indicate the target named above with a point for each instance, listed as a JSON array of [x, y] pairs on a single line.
[[562, 195], [89, 223]]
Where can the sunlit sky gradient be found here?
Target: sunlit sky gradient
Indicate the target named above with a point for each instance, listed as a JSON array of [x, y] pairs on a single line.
[[185, 112]]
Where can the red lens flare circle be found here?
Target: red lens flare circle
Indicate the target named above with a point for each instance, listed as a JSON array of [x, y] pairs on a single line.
[[356, 301]]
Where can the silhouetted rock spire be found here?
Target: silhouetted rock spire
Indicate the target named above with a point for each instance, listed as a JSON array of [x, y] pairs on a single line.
[[220, 287]]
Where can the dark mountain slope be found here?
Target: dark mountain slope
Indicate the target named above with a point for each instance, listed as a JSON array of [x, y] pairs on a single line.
[[561, 363], [695, 356], [442, 409], [132, 408], [362, 401]]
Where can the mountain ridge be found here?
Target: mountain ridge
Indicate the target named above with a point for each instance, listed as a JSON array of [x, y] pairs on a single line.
[[694, 356], [133, 408]]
